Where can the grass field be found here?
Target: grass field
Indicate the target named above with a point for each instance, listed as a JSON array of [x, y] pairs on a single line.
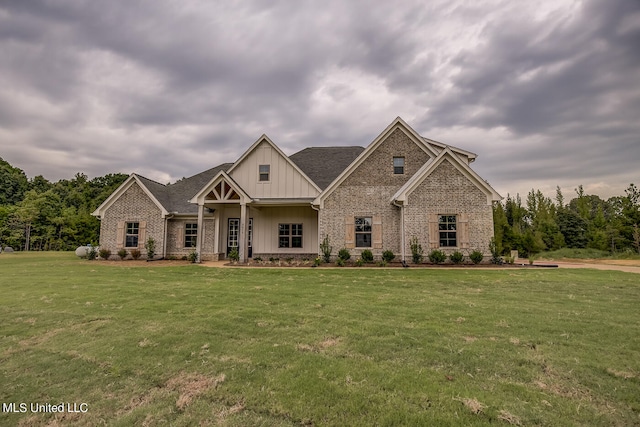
[[189, 345]]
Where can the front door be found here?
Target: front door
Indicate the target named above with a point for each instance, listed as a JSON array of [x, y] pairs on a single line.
[[233, 236]]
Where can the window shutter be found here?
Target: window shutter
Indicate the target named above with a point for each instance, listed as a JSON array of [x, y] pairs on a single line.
[[434, 236], [180, 238], [463, 231], [376, 232], [142, 233], [120, 235], [350, 232]]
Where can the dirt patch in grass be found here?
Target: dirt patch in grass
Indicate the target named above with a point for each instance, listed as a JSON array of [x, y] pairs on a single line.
[[191, 386], [319, 346], [473, 405], [508, 417], [621, 374]]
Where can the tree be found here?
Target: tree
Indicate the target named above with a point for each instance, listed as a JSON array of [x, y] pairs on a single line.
[[573, 228], [13, 184]]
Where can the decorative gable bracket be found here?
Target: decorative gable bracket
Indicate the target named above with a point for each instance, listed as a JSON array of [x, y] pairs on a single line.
[[221, 189]]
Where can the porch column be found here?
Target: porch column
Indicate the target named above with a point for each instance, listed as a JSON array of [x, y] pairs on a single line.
[[242, 239], [200, 231], [216, 228]]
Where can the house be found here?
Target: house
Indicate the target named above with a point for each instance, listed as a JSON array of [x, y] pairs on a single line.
[[268, 204]]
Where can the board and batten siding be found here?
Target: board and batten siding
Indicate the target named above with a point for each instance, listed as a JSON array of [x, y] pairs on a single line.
[[265, 225], [284, 180]]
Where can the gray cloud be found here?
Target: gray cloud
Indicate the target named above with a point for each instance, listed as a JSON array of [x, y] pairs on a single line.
[[545, 93]]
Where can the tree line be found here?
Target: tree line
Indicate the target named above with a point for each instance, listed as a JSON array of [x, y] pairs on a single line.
[[587, 221], [36, 214]]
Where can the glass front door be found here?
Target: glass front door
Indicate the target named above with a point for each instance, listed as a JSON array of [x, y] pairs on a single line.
[[233, 236]]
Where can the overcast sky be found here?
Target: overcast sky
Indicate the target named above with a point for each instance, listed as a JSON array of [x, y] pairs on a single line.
[[546, 93]]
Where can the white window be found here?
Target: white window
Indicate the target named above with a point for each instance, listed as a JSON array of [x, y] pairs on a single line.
[[289, 235], [363, 231], [190, 235], [131, 236], [447, 230], [264, 172], [398, 165]]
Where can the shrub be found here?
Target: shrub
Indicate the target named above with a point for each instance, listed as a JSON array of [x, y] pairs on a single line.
[[193, 257], [326, 249], [367, 256], [344, 254], [150, 246], [417, 254], [104, 253], [91, 253], [495, 254], [340, 262], [359, 263], [436, 256], [135, 254], [234, 255], [382, 263], [317, 261], [388, 256], [122, 253], [258, 259], [289, 260], [476, 257], [457, 257]]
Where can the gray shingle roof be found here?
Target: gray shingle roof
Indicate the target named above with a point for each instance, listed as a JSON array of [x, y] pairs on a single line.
[[175, 197], [324, 164], [321, 164]]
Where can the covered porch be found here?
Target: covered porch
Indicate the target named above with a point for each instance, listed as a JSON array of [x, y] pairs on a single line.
[[266, 228]]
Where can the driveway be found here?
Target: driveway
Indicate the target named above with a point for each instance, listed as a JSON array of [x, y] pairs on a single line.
[[626, 265]]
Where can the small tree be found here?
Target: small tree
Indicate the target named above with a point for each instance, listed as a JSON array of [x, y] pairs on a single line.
[[495, 255], [417, 254], [193, 257], [636, 237], [150, 246], [234, 255], [326, 249]]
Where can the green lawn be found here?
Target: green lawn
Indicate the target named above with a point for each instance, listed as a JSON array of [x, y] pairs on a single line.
[[189, 345]]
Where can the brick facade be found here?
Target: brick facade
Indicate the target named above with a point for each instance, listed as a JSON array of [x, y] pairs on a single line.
[[175, 238], [447, 191], [367, 191], [132, 206]]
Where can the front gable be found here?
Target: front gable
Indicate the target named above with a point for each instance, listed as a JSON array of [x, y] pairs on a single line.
[[279, 177], [133, 180], [375, 165], [221, 189], [458, 171]]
